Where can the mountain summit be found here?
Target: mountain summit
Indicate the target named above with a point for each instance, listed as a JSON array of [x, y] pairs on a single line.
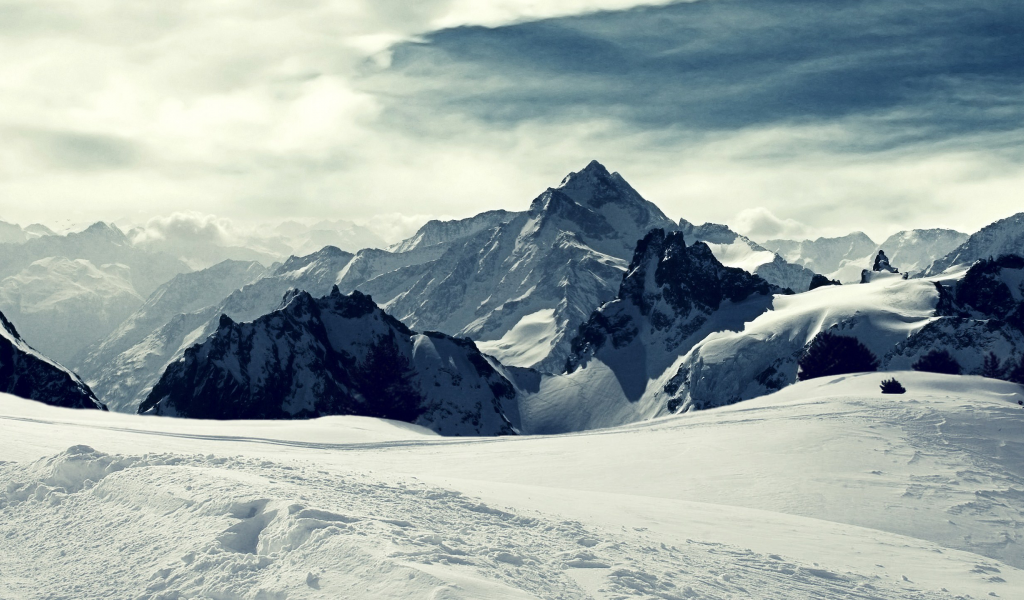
[[523, 286], [594, 186]]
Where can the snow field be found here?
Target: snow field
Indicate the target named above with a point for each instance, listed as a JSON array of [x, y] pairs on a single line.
[[827, 489]]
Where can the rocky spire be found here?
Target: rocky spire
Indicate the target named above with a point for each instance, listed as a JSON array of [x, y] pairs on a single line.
[[882, 264]]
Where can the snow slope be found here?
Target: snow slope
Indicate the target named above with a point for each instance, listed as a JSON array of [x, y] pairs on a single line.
[[827, 489], [62, 305], [1005, 236]]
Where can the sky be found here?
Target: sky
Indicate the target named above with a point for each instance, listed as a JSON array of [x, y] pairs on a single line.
[[781, 118]]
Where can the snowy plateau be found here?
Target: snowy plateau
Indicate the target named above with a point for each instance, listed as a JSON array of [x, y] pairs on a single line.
[[827, 489], [582, 399]]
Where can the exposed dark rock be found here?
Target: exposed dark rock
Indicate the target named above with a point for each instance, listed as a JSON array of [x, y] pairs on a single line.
[[337, 355], [833, 354], [670, 288], [26, 373], [820, 281], [882, 264]]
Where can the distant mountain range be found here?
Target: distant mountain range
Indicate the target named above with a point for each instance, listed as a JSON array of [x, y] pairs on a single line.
[[843, 258], [593, 305], [1005, 236]]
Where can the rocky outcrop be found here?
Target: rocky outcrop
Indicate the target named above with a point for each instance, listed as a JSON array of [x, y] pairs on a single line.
[[336, 355], [882, 264], [28, 374]]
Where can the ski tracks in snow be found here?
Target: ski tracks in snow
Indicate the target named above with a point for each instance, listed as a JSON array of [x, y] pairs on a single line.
[[85, 524]]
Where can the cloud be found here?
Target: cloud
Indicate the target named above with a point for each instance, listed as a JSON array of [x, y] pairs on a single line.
[[395, 227], [185, 228], [877, 114], [728, 65], [760, 224]]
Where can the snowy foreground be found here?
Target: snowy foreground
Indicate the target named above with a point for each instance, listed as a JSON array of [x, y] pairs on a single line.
[[827, 489]]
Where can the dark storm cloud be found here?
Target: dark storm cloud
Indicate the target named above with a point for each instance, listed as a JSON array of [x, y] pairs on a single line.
[[926, 70]]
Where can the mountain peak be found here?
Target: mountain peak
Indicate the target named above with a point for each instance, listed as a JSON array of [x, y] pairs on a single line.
[[595, 185], [106, 230], [598, 189]]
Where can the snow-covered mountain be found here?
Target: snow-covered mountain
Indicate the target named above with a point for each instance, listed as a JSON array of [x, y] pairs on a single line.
[[841, 258], [124, 367], [522, 288], [629, 376], [914, 250], [28, 374], [100, 244], [129, 363], [982, 313], [185, 293], [735, 250], [671, 298], [336, 355], [12, 233], [1005, 236], [305, 239], [436, 232], [62, 305]]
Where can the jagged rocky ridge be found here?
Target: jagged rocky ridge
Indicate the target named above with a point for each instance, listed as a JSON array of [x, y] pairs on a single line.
[[523, 287], [671, 297], [336, 355], [669, 292], [980, 314], [28, 374]]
